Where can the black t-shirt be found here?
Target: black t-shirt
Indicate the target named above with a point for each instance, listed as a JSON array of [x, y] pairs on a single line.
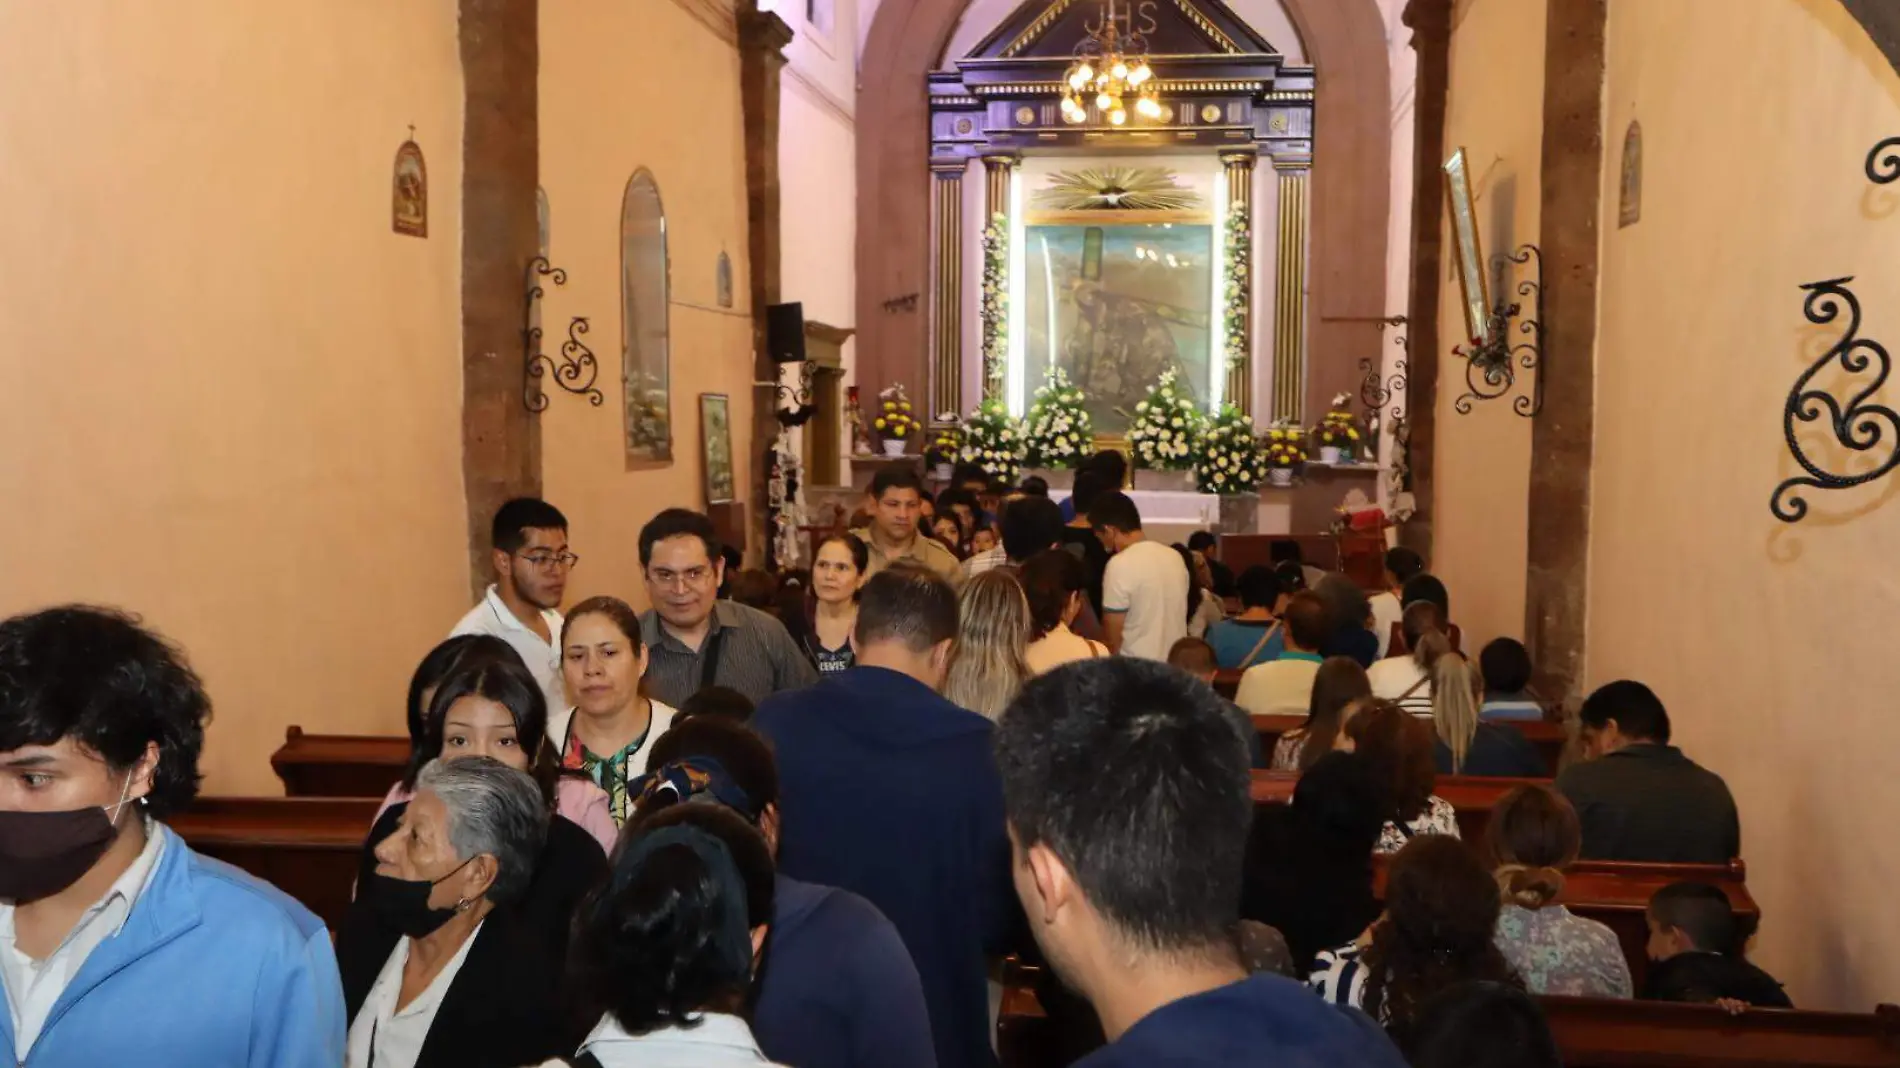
[[1094, 560], [1704, 977]]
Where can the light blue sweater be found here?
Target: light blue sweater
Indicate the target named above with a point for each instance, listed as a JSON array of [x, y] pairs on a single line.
[[212, 968]]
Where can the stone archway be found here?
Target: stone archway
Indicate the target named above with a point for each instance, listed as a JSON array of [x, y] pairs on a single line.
[[1351, 182]]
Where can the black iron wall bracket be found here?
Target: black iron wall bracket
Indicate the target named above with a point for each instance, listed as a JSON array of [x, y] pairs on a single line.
[[577, 370], [1492, 366]]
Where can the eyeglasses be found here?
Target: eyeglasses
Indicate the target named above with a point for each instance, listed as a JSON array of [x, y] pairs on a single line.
[[687, 579], [549, 561]]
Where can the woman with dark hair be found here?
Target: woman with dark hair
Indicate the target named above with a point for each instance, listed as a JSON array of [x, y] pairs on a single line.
[[489, 716], [840, 990], [1351, 614], [1440, 916], [1339, 683], [1204, 609], [1532, 838], [1429, 589], [496, 710], [945, 527], [1483, 1025], [604, 736], [1398, 748], [1054, 582], [822, 628], [1078, 537], [1407, 678], [664, 954], [1309, 864]]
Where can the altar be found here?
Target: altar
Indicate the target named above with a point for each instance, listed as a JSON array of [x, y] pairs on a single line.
[[1169, 516]]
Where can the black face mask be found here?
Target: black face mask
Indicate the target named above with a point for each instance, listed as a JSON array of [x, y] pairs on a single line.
[[403, 904], [42, 853]]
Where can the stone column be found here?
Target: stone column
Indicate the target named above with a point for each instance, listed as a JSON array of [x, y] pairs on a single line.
[[1289, 301], [1430, 21], [501, 439], [1557, 563], [998, 169], [1239, 388], [946, 287], [762, 40]]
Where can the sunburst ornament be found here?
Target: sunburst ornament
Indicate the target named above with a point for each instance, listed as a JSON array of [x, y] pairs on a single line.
[[1116, 189]]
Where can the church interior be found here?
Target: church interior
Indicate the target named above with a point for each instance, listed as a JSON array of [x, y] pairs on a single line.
[[1617, 375]]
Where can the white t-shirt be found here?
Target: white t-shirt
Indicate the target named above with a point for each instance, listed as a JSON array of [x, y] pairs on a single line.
[[492, 617], [1148, 582], [1386, 611], [1398, 677], [1280, 687]]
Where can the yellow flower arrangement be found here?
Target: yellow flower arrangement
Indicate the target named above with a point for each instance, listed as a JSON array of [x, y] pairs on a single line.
[[896, 422]]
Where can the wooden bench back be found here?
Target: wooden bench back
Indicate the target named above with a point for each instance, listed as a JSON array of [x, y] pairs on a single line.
[[1546, 737], [307, 847], [339, 765]]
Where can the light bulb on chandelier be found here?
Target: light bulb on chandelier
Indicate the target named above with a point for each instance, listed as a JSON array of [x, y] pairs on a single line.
[[1103, 101], [1117, 117], [1148, 107], [1123, 70]]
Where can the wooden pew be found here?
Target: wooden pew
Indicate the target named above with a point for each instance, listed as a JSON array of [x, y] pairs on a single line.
[[306, 847], [1472, 796], [1596, 1033], [1602, 1033], [339, 765], [1546, 737]]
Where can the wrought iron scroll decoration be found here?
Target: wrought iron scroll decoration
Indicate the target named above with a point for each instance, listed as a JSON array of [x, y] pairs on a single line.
[[1857, 425], [802, 408], [1491, 368], [1883, 163], [1374, 388], [577, 370]]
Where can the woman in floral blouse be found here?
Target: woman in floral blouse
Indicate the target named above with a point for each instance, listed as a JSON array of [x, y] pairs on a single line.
[[1533, 837], [605, 736], [1398, 747]]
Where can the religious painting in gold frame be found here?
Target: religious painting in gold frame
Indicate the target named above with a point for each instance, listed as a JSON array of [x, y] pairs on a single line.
[[1465, 247], [1116, 297]]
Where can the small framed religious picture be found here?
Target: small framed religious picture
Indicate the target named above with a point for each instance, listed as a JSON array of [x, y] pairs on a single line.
[[1468, 258], [715, 437], [409, 190], [723, 280]]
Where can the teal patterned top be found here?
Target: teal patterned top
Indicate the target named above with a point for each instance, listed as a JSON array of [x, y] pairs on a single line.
[[1559, 953]]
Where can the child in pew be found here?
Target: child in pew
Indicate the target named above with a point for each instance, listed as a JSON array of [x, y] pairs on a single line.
[[1506, 666], [1696, 952]]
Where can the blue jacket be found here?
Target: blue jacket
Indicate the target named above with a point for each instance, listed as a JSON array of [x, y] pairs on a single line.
[[1264, 1020], [213, 969], [839, 989], [891, 792]]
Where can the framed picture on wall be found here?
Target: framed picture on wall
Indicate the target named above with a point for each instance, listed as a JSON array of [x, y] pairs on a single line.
[[1464, 245], [715, 436]]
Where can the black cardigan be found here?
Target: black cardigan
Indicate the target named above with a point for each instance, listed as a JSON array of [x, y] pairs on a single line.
[[570, 866], [502, 1010]]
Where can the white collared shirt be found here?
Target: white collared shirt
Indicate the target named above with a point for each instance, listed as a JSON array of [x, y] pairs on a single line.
[[718, 1040], [543, 658], [398, 1035], [34, 987]]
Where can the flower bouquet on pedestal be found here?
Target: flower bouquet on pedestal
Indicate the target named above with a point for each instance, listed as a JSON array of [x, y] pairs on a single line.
[[1166, 432], [994, 441], [944, 449], [1285, 452], [1058, 426], [1231, 460], [1338, 433], [895, 425]]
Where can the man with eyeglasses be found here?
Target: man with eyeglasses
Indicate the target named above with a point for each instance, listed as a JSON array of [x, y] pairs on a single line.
[[695, 640], [522, 607]]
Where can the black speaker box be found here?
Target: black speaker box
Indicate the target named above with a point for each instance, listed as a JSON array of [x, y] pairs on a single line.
[[785, 332]]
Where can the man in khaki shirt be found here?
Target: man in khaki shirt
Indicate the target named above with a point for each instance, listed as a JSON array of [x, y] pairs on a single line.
[[897, 498]]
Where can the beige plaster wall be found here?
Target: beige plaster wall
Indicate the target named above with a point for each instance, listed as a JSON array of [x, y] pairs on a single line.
[[625, 86], [1495, 112], [1771, 644], [234, 393]]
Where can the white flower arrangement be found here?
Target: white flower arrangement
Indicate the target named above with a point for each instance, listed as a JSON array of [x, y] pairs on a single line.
[[994, 440], [1231, 460], [1166, 433], [1058, 427], [1235, 287], [994, 309]]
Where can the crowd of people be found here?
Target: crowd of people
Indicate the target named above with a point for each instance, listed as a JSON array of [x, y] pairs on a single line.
[[799, 821]]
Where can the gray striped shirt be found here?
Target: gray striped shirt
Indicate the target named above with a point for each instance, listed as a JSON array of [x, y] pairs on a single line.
[[756, 656]]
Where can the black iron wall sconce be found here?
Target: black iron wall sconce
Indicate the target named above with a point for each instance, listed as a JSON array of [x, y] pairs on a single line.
[[802, 408], [577, 370], [1491, 367], [1375, 389], [1883, 163]]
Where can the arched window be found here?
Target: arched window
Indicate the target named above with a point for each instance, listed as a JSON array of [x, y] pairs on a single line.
[[643, 316]]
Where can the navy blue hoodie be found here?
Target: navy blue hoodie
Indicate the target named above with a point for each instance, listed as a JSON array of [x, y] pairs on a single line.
[[1264, 1020], [891, 792]]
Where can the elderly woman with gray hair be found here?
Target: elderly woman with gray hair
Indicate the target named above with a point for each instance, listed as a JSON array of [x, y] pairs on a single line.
[[437, 967]]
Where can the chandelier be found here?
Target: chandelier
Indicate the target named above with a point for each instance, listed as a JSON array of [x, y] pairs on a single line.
[[1112, 67]]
